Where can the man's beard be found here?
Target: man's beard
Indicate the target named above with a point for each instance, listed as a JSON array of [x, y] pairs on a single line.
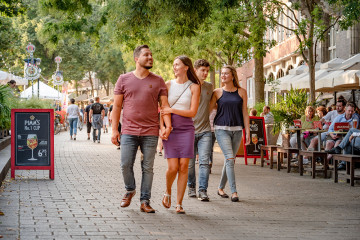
[[147, 67]]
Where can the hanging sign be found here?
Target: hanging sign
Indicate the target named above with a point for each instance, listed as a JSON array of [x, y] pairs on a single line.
[[58, 78], [32, 140]]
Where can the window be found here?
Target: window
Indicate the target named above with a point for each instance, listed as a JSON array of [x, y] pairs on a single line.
[[249, 87], [280, 74], [332, 47], [288, 69]]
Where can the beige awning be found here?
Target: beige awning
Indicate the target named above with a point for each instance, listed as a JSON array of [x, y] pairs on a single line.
[[81, 98], [326, 83], [304, 83], [348, 80]]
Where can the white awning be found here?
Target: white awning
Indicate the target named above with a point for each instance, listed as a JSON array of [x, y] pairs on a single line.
[[46, 92], [5, 77], [347, 80], [326, 83], [304, 83], [348, 63]]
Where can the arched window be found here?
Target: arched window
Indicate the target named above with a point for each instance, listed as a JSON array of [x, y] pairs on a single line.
[[270, 78], [288, 69], [280, 74]]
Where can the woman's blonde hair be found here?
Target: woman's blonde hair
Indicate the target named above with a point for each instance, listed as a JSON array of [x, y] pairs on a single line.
[[312, 109], [234, 74]]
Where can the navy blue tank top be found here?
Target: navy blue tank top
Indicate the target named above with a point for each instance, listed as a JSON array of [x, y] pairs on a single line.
[[229, 111]]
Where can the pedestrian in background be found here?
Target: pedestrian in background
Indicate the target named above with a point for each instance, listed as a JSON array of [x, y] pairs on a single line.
[[139, 93], [230, 120], [97, 113], [203, 136], [73, 114], [87, 118], [106, 119], [184, 96]]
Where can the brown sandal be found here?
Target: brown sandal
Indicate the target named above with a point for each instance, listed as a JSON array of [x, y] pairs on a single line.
[[166, 200], [179, 209]]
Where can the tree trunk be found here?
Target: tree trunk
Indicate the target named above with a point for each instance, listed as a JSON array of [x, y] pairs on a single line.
[[259, 80], [325, 55], [212, 74], [77, 88], [311, 63], [92, 85], [108, 88]]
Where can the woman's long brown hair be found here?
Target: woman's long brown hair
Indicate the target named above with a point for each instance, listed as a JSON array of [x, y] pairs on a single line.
[[234, 74], [190, 72]]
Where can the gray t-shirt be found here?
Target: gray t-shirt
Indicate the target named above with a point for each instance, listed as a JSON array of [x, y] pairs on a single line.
[[201, 120]]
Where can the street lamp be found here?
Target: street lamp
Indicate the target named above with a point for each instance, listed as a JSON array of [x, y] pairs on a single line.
[[32, 70], [58, 75]]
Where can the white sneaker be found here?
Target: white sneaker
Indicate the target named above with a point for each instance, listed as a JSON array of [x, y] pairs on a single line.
[[305, 161]]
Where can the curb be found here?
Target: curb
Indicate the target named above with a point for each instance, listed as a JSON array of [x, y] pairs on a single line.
[[5, 157]]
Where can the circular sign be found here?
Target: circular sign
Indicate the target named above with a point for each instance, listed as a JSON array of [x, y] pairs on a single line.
[[58, 59], [58, 78], [30, 48], [32, 72]]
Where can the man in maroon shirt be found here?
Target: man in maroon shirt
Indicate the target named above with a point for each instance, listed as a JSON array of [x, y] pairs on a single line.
[[139, 92]]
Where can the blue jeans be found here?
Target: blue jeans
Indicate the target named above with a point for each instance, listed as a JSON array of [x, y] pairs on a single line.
[[202, 146], [73, 125], [346, 145], [129, 147], [229, 142], [212, 147]]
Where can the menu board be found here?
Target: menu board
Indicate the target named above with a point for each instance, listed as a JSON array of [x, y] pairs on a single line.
[[32, 131], [32, 140], [257, 137]]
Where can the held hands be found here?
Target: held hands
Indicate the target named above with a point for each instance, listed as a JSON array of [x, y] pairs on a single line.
[[165, 132], [165, 110], [115, 137]]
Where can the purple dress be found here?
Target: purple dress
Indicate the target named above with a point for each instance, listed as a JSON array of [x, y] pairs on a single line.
[[180, 143]]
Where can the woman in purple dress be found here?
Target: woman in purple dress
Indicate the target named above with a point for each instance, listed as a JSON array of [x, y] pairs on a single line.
[[184, 97]]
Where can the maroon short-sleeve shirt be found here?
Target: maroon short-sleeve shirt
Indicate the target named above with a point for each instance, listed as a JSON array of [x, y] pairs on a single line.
[[140, 104]]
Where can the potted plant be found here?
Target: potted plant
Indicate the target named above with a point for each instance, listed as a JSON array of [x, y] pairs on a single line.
[[5, 110], [289, 108]]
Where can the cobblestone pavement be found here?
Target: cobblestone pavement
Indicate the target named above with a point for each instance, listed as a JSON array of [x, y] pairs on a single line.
[[83, 202]]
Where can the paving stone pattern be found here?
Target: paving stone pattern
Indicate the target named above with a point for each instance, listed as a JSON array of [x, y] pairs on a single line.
[[83, 202]]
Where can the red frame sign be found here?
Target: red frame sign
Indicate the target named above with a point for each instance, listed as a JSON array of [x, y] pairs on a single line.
[[35, 124], [341, 126], [254, 130], [297, 123]]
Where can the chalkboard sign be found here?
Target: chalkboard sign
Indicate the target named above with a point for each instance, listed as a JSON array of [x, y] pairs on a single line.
[[257, 139], [32, 135], [257, 136]]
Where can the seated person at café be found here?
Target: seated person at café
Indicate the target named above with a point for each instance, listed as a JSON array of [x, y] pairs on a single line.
[[328, 118], [321, 111], [253, 112], [307, 123], [348, 145], [267, 115], [348, 117]]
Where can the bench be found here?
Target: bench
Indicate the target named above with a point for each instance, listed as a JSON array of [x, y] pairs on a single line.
[[313, 155], [350, 166], [285, 152], [271, 149]]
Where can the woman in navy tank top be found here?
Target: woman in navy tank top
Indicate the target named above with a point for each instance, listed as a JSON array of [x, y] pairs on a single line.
[[231, 119]]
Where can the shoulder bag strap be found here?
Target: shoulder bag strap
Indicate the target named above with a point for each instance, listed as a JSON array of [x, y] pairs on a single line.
[[181, 94]]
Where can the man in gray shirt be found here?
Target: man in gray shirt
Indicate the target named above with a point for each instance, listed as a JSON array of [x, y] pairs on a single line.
[[203, 136]]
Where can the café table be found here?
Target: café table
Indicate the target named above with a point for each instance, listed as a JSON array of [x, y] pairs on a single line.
[[318, 133], [298, 133]]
